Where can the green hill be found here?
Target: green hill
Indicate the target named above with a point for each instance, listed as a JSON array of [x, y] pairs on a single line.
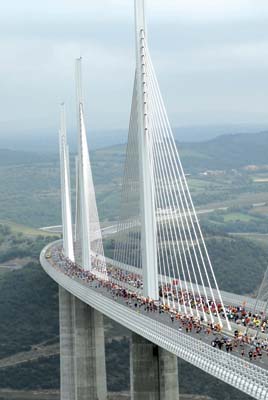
[[30, 195], [30, 182], [226, 152]]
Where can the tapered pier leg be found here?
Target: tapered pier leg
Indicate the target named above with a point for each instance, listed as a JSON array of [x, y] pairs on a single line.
[[153, 371], [168, 375], [100, 356], [143, 369], [90, 371], [67, 380]]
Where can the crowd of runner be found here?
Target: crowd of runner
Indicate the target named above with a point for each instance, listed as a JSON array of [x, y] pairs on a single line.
[[117, 282]]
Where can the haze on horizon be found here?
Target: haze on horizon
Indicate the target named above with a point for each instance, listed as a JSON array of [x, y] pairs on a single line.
[[211, 59]]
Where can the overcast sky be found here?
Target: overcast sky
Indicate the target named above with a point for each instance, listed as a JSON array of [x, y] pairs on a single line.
[[211, 57]]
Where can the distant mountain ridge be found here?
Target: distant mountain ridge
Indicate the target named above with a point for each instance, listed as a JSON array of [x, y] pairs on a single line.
[[226, 151], [222, 152], [16, 157], [46, 141]]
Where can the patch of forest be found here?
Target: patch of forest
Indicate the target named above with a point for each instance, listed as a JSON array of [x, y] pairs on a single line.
[[28, 297]]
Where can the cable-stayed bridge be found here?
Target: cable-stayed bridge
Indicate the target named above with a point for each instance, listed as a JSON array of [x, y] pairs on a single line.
[[160, 282]]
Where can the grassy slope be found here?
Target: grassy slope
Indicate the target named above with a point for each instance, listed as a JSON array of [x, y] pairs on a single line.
[[26, 230]]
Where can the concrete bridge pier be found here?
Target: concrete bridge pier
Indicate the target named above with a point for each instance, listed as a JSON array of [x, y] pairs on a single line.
[[67, 382], [153, 371], [89, 354], [82, 350]]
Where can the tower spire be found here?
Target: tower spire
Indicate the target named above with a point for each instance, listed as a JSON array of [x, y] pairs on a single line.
[[65, 189], [84, 171], [147, 201]]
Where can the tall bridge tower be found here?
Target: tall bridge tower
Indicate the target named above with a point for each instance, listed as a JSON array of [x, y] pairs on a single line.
[[146, 165], [82, 348]]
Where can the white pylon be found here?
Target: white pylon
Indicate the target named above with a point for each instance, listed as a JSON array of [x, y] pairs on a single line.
[[82, 230], [88, 228], [147, 201], [84, 196], [65, 190]]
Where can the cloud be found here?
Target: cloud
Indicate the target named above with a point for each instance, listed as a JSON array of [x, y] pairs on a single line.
[[208, 9], [103, 10], [209, 55]]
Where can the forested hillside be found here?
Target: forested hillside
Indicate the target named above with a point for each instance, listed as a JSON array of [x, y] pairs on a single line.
[[226, 152], [30, 182], [233, 206]]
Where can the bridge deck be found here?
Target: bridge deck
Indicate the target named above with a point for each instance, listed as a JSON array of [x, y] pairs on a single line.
[[228, 298], [251, 378]]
